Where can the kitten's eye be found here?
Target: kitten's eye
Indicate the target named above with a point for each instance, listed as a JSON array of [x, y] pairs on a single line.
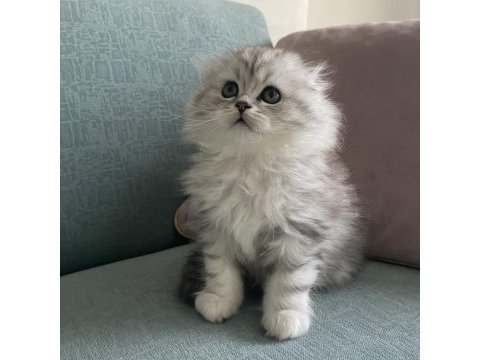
[[270, 95], [230, 89]]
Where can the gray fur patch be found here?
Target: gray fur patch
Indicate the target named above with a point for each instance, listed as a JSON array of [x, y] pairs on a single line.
[[193, 276], [306, 229]]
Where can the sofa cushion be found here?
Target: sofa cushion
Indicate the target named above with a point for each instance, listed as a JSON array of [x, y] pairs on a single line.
[[376, 81], [126, 73], [130, 310]]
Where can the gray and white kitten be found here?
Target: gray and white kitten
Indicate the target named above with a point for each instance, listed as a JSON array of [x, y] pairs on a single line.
[[272, 199]]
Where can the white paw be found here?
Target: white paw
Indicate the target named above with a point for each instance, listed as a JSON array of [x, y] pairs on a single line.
[[215, 308], [286, 324]]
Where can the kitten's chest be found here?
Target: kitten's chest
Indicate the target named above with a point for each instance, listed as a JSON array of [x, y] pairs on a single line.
[[240, 216], [243, 202]]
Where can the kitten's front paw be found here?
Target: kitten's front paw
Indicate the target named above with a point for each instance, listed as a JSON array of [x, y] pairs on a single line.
[[286, 324], [214, 308]]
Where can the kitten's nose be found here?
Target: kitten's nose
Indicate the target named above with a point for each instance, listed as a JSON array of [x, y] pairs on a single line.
[[242, 106]]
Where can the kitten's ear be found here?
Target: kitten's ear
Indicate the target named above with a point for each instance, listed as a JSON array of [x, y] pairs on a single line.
[[204, 63], [320, 76]]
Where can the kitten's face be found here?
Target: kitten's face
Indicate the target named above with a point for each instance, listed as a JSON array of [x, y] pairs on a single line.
[[256, 96]]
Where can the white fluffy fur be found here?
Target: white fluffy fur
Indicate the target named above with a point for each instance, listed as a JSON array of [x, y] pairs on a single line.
[[272, 200]]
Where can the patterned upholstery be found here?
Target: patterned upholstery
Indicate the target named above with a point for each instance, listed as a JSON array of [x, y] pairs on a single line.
[[125, 74], [129, 310]]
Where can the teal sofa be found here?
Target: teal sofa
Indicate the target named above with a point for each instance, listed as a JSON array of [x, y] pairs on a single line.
[[126, 72]]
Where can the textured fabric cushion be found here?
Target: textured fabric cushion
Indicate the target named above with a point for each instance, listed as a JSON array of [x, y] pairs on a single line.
[[125, 74], [376, 82], [130, 310]]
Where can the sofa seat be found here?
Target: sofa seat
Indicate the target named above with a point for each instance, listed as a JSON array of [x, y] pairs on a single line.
[[130, 310]]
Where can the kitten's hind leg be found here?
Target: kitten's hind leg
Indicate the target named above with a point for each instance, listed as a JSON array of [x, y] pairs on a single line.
[[223, 291], [193, 276]]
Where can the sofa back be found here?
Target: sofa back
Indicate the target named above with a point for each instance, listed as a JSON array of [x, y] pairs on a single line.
[[126, 73]]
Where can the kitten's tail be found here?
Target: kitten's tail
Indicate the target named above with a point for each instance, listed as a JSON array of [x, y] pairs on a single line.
[[193, 276]]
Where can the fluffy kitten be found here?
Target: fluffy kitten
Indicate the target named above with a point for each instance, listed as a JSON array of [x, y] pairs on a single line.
[[271, 198]]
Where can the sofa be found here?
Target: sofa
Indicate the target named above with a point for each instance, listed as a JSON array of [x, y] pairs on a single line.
[[126, 73]]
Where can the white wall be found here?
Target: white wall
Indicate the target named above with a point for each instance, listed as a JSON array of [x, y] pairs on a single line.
[[323, 13], [286, 16], [282, 16]]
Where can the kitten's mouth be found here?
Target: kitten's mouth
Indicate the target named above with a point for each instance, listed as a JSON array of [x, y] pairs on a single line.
[[241, 122]]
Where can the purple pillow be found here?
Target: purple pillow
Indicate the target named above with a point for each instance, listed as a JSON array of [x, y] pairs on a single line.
[[376, 70]]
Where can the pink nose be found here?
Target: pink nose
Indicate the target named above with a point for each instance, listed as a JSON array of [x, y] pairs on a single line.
[[242, 106]]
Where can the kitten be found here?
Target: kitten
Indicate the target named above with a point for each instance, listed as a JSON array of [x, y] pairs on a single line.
[[271, 198]]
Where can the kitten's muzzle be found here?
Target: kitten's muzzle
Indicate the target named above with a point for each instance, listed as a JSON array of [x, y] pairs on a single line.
[[242, 106]]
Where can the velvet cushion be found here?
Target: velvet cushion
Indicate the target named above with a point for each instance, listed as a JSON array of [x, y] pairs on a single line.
[[376, 82], [126, 73]]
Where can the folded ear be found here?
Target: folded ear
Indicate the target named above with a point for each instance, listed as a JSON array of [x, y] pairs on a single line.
[[204, 63], [320, 76], [200, 61]]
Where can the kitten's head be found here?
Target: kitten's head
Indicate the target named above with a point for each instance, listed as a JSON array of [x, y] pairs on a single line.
[[264, 97]]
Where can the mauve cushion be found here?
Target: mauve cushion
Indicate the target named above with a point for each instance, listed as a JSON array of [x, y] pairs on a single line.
[[376, 82]]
